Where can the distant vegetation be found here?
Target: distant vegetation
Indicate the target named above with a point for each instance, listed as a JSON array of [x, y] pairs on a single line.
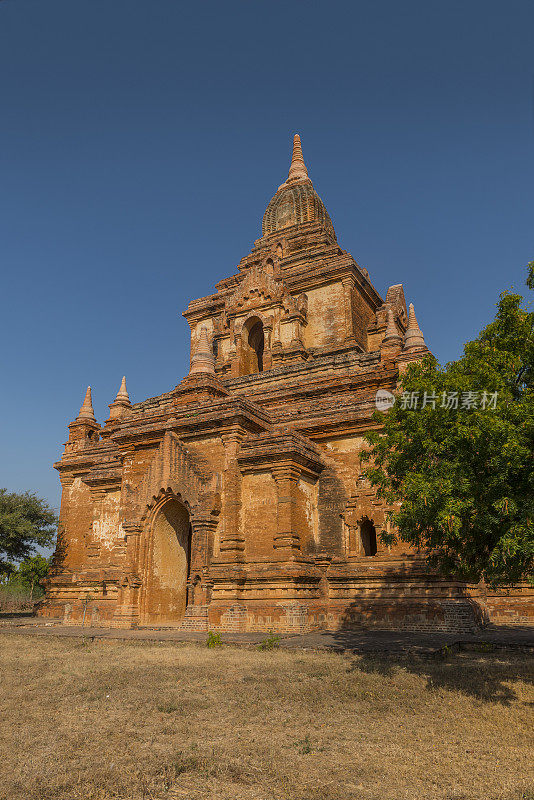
[[21, 587], [26, 523]]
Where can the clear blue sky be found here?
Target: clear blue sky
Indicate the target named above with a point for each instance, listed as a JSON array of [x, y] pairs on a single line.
[[140, 143]]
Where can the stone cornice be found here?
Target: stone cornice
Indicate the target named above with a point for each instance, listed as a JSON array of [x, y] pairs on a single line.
[[343, 360], [281, 449], [300, 571], [100, 469], [81, 461], [209, 306], [198, 422], [109, 479], [306, 278], [75, 464], [284, 399]]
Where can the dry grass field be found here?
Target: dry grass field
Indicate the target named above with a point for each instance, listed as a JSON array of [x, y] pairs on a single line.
[[133, 720]]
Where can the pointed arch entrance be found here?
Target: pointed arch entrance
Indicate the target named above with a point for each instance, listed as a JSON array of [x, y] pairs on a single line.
[[168, 564], [253, 346]]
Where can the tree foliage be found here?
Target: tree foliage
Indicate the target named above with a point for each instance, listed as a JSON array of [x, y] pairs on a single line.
[[26, 521], [29, 573], [465, 477]]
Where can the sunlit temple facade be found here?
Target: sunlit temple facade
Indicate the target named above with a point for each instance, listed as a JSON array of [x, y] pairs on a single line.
[[236, 501]]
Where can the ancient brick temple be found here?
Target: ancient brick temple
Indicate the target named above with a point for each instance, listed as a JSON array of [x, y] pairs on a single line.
[[236, 500]]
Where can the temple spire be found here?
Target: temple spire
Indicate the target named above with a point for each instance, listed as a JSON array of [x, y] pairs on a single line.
[[203, 360], [86, 411], [414, 336], [392, 333], [121, 405], [122, 394], [297, 170]]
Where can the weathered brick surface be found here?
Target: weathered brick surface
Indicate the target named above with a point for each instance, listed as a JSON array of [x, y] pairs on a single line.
[[235, 501]]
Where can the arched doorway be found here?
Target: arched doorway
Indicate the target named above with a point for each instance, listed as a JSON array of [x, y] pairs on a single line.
[[254, 343], [368, 537], [168, 564]]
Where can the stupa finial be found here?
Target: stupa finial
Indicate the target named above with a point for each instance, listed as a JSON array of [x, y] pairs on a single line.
[[122, 394], [121, 405], [203, 359], [414, 336], [392, 333], [297, 170], [86, 411]]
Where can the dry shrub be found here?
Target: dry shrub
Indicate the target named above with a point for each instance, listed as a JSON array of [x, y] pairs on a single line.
[[15, 598]]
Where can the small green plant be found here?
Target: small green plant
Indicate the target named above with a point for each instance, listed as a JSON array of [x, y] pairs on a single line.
[[484, 647], [270, 643], [305, 745], [214, 640], [446, 651]]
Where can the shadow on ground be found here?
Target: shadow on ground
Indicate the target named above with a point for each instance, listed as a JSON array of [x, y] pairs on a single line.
[[480, 670], [16, 614], [484, 665]]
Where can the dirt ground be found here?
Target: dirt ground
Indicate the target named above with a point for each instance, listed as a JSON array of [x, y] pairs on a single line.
[[142, 719]]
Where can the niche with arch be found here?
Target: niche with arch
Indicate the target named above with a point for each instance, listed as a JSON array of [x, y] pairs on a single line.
[[168, 564], [368, 537], [195, 591], [253, 346]]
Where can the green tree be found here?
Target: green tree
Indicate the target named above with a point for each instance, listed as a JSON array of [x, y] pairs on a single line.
[[29, 573], [26, 521], [464, 477]]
